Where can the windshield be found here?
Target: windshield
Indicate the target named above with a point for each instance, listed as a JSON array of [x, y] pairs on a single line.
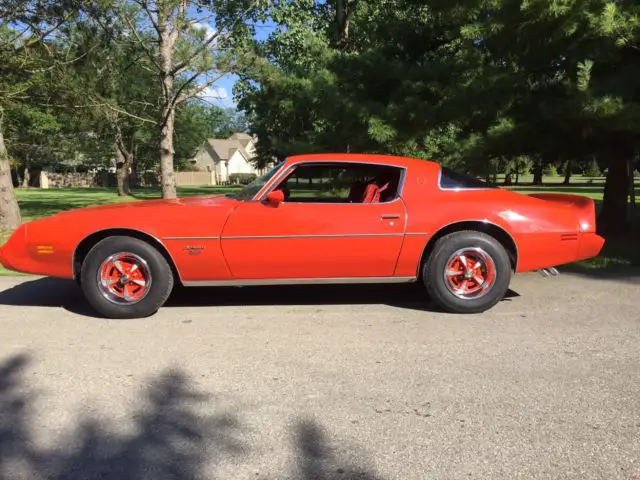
[[254, 187]]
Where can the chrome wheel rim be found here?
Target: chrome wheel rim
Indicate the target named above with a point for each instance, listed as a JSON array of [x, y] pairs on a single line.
[[124, 278], [470, 273]]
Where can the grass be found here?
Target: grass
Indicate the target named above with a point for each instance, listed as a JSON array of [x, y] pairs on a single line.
[[37, 203]]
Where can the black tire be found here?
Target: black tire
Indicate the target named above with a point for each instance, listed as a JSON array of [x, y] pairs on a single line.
[[436, 266], [160, 285]]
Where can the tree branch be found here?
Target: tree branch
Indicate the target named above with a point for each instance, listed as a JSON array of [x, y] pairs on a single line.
[[142, 44], [182, 96], [145, 6], [58, 64], [124, 112], [182, 65]]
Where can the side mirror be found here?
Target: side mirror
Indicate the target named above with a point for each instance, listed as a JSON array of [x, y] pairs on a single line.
[[274, 198]]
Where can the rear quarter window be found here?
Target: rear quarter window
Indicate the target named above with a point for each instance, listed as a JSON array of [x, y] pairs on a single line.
[[450, 179]]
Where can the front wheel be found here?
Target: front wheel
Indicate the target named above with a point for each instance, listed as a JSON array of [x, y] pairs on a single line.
[[467, 272], [123, 277]]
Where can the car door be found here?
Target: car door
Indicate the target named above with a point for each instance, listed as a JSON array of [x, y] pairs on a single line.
[[321, 236]]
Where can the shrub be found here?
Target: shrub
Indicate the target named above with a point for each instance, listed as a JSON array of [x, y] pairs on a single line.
[[591, 169], [550, 171], [241, 178]]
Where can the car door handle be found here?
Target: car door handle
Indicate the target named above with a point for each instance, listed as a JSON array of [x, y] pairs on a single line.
[[389, 217]]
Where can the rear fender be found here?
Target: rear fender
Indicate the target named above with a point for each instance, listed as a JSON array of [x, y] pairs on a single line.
[[584, 207]]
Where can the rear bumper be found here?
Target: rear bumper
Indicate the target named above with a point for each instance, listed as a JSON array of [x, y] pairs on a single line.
[[589, 246]]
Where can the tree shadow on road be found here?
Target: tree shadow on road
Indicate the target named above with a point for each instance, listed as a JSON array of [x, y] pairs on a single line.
[[172, 438], [318, 461], [53, 292]]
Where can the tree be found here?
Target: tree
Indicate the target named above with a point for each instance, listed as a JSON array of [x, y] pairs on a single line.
[[566, 170], [187, 58], [25, 30], [114, 86], [591, 169], [461, 82]]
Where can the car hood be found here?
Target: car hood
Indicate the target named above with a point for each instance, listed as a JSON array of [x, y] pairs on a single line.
[[199, 201]]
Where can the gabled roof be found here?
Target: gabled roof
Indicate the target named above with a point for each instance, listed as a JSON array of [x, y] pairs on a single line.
[[223, 149], [242, 138]]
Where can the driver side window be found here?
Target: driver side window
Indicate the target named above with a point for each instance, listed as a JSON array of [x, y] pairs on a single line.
[[335, 182]]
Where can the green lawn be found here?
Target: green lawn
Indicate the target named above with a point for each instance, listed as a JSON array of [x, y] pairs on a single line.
[[37, 203]]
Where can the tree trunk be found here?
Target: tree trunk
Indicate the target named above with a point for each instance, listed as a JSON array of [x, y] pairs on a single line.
[[537, 173], [567, 173], [124, 159], [632, 194], [613, 217], [342, 22], [166, 155], [123, 164], [9, 210], [25, 175], [134, 166], [517, 176], [167, 37]]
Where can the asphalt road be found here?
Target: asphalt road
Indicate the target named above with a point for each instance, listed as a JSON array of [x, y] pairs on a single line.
[[323, 383]]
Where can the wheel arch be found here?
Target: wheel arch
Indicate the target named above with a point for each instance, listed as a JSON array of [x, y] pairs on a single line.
[[87, 243], [496, 231]]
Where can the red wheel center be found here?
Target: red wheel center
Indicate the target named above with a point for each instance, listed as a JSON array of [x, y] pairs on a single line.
[[124, 278], [469, 273]]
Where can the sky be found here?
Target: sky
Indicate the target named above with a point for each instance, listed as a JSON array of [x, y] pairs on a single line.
[[221, 93]]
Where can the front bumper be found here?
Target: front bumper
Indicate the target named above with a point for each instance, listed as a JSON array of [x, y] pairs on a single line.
[[31, 249], [3, 260], [14, 249]]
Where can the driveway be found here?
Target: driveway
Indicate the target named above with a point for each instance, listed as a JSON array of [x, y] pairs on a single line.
[[323, 383]]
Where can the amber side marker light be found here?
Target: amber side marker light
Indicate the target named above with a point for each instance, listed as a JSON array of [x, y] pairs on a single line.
[[44, 249]]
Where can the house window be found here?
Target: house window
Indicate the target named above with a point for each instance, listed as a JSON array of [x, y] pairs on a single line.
[[336, 182]]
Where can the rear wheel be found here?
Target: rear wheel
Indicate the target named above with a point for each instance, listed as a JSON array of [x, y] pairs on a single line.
[[123, 277], [467, 272]]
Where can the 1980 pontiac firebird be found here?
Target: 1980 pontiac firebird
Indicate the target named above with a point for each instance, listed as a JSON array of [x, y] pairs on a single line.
[[313, 219]]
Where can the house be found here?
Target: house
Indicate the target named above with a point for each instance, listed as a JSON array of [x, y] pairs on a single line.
[[226, 156]]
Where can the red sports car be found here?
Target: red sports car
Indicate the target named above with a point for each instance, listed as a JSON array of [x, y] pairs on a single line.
[[313, 219]]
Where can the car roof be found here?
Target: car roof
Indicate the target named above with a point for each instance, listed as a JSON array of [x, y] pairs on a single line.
[[366, 158]]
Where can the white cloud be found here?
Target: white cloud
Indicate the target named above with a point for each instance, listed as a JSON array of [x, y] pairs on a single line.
[[214, 93], [210, 31]]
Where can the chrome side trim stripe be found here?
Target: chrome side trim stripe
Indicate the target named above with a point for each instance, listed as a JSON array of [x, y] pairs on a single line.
[[257, 237], [190, 238], [346, 235], [297, 281]]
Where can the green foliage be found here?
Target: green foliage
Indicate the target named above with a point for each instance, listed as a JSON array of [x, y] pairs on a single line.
[[550, 170], [591, 169], [483, 87], [242, 178], [465, 83], [519, 165]]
